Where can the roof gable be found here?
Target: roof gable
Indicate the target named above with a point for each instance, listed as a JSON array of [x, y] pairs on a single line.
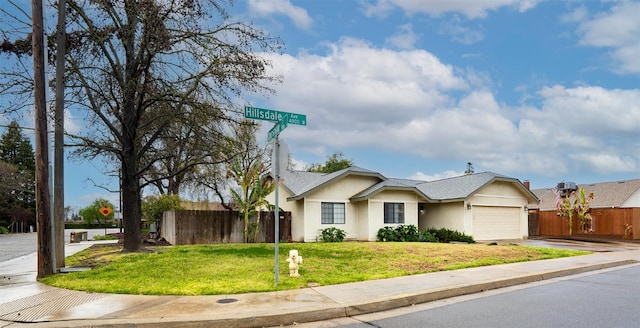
[[302, 183], [463, 187], [389, 184]]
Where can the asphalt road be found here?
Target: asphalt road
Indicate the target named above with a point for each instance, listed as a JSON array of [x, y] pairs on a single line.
[[606, 298], [15, 245]]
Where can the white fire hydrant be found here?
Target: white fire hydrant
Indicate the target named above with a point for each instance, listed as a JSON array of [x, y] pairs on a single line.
[[294, 263]]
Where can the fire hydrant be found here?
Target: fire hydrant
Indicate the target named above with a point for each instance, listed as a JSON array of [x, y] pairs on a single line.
[[294, 263]]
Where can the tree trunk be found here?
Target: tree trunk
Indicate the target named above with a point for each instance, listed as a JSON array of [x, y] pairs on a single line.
[[131, 213]]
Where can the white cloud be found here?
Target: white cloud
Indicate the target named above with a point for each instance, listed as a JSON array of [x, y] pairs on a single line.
[[438, 176], [618, 30], [409, 102], [380, 8], [404, 38], [577, 15], [298, 15], [470, 9], [298, 165], [607, 162], [459, 33]]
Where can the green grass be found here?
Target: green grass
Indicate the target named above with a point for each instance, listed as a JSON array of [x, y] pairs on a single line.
[[107, 237], [242, 268]]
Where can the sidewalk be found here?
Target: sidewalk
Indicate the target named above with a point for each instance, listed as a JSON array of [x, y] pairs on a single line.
[[27, 303]]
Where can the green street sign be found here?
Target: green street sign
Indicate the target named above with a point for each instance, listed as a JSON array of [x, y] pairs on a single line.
[[274, 115], [278, 127]]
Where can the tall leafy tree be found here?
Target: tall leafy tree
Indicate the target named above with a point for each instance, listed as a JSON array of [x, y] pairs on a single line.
[[91, 214], [335, 162], [16, 149], [141, 67], [154, 205], [17, 197]]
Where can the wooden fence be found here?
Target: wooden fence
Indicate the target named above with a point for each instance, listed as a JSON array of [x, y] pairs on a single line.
[[608, 223], [187, 227]]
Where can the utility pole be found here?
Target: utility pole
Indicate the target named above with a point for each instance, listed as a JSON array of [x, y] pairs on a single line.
[[43, 206], [58, 138]]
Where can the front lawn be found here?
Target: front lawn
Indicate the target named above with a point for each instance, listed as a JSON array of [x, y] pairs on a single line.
[[242, 268]]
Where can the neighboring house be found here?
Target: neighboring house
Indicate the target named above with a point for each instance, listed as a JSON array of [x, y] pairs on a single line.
[[487, 206], [615, 209]]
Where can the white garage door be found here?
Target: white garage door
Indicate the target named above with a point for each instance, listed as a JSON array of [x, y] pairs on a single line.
[[495, 223]]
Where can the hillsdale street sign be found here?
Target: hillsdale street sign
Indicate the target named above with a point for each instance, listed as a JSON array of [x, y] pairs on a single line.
[[274, 115], [282, 119]]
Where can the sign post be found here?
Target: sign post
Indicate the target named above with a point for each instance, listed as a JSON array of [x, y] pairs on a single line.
[[105, 211], [282, 119]]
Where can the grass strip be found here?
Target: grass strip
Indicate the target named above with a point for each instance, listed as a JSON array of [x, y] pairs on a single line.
[[243, 268]]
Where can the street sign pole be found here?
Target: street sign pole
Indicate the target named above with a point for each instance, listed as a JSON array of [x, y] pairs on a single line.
[[277, 213], [282, 119]]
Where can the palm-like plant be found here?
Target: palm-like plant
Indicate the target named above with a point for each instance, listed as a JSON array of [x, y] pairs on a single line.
[[576, 203], [253, 191]]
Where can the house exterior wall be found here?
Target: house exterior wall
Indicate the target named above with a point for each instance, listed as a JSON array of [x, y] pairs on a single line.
[[376, 211], [633, 201], [444, 215], [362, 217], [337, 192], [499, 194]]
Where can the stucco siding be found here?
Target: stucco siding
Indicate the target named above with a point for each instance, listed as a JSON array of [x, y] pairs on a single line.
[[313, 222], [297, 219], [444, 215], [344, 188], [376, 210], [499, 194], [362, 220]]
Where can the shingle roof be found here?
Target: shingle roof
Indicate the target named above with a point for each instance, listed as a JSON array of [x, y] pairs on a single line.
[[607, 194], [451, 189], [301, 183], [460, 187]]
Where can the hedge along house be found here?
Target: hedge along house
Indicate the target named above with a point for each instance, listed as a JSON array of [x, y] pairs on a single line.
[[487, 206]]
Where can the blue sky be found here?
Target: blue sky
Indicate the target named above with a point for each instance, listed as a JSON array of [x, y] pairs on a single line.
[[545, 91]]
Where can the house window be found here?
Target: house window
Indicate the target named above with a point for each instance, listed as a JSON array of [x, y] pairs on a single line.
[[393, 212], [332, 213]]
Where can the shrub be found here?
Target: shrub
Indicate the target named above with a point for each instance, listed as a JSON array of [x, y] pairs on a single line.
[[3, 230], [386, 234], [445, 235], [428, 237], [332, 235], [399, 233]]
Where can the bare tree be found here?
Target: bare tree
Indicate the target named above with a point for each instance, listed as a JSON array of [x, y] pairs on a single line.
[[154, 63], [244, 159], [141, 68]]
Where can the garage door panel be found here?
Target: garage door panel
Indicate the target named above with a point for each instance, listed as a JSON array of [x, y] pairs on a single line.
[[494, 223]]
